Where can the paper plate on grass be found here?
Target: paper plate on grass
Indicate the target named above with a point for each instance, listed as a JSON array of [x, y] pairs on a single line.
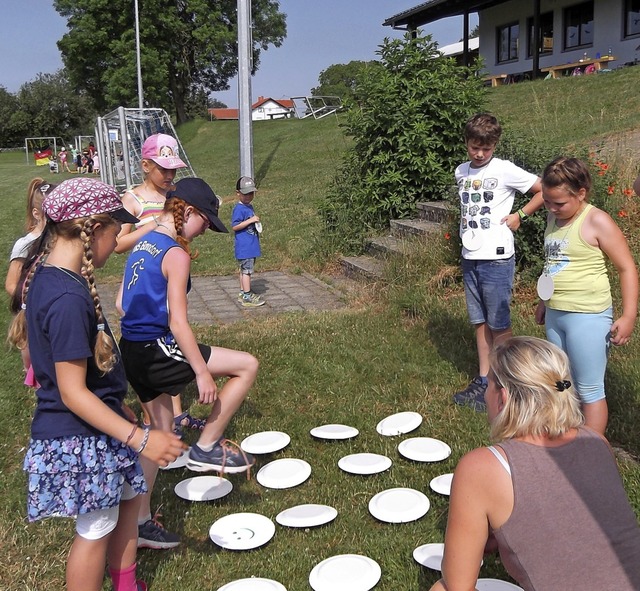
[[284, 473], [442, 484], [399, 505], [265, 442], [429, 555], [334, 431], [399, 423], [496, 585], [179, 462], [424, 449], [345, 572], [203, 488], [306, 515], [253, 584], [242, 531], [364, 463]]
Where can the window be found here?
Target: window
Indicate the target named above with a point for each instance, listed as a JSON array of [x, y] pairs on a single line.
[[545, 36], [578, 25], [631, 18], [508, 42]]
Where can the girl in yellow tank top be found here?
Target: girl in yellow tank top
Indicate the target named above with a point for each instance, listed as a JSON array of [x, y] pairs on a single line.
[[574, 288]]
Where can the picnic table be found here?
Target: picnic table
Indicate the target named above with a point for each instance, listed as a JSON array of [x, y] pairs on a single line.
[[584, 64]]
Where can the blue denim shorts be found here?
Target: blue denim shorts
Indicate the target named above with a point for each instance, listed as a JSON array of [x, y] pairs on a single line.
[[247, 265], [487, 288]]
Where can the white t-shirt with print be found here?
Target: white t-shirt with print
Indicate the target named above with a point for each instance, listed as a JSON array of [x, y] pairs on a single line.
[[486, 197]]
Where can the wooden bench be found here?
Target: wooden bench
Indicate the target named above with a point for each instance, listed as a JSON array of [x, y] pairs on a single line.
[[598, 63], [496, 79]]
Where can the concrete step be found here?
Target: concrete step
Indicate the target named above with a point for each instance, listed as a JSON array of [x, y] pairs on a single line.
[[412, 227], [362, 267], [386, 245], [436, 211]]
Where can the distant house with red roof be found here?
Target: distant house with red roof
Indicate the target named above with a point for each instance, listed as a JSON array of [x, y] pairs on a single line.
[[263, 109]]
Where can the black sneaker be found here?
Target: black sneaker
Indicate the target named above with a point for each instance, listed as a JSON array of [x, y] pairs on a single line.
[[226, 456], [473, 395], [152, 535]]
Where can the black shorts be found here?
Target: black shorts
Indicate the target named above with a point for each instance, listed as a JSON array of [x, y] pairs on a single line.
[[158, 367]]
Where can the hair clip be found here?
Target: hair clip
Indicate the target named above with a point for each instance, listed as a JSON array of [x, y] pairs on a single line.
[[562, 385], [100, 327], [23, 306]]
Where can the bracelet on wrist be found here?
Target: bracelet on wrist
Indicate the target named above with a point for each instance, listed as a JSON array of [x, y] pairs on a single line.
[[133, 432], [144, 441], [522, 215]]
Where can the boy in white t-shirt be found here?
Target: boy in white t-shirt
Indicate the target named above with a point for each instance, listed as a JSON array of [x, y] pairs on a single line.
[[487, 188]]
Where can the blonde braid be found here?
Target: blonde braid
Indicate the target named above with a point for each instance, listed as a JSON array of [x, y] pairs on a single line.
[[103, 351]]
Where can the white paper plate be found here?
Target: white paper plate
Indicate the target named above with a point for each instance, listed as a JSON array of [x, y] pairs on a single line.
[[424, 449], [284, 473], [253, 584], [242, 531], [265, 442], [203, 488], [364, 463], [399, 505], [496, 585], [399, 423], [429, 555], [334, 432], [179, 462], [306, 516], [345, 572], [442, 484]]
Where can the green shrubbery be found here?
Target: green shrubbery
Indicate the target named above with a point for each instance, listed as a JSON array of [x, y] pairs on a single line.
[[407, 138]]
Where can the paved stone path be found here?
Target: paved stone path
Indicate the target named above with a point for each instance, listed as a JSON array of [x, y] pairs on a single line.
[[214, 300]]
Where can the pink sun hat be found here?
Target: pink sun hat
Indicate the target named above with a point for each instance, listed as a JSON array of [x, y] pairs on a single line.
[[163, 150]]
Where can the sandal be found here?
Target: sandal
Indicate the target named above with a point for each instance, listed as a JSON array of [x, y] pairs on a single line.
[[187, 421]]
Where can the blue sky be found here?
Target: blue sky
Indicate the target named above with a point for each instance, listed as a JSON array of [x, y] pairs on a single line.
[[320, 33]]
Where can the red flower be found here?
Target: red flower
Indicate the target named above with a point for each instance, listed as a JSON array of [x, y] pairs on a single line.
[[611, 189], [628, 192], [623, 214], [447, 236]]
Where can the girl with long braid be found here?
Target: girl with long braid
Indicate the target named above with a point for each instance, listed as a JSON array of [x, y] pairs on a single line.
[[160, 352], [83, 457]]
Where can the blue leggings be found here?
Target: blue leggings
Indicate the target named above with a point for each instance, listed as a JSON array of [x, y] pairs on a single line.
[[585, 340]]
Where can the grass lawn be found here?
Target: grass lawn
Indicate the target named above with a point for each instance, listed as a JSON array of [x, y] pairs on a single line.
[[405, 345]]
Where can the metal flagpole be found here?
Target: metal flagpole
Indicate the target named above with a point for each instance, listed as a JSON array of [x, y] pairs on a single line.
[[140, 98], [244, 87]]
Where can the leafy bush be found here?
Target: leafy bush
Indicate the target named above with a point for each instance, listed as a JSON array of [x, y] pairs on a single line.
[[407, 129]]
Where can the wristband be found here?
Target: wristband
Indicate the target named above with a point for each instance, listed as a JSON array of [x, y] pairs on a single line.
[[522, 215], [145, 438], [133, 432]]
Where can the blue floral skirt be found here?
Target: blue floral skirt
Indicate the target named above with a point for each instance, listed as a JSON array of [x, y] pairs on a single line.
[[73, 475]]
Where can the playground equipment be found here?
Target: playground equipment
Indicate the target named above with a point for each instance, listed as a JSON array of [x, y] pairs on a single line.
[[316, 106], [119, 136]]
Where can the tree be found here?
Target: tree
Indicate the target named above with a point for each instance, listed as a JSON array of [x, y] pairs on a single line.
[[407, 137], [341, 79], [187, 47], [47, 106]]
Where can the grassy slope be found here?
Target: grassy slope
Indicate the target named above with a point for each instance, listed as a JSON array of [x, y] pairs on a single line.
[[354, 366]]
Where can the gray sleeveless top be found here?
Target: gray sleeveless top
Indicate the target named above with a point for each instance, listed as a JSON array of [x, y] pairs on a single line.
[[572, 528]]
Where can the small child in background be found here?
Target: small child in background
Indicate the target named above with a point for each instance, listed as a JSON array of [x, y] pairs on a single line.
[[576, 305], [247, 227], [53, 164], [34, 224]]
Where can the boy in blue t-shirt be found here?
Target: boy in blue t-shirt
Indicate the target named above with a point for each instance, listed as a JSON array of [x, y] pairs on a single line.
[[247, 227]]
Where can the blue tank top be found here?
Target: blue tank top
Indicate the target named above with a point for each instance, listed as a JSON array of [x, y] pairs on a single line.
[[144, 292]]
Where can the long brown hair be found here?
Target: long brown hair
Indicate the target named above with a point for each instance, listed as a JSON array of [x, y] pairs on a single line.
[[176, 206]]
